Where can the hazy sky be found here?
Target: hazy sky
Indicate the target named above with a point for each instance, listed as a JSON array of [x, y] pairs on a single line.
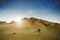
[[43, 9]]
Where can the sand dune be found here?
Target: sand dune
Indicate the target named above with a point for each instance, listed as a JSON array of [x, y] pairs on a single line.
[[30, 29]]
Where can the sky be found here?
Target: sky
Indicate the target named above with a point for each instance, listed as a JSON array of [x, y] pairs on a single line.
[[42, 9]]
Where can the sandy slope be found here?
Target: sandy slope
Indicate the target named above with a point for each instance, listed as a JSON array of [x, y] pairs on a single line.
[[28, 30]]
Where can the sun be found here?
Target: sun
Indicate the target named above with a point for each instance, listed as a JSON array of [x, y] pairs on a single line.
[[18, 19]]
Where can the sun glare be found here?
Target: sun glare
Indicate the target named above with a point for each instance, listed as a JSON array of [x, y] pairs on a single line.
[[17, 20]]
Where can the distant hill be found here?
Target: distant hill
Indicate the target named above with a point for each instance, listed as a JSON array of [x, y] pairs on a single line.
[[33, 20], [3, 22]]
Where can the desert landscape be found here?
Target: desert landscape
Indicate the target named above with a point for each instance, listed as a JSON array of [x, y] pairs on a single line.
[[29, 19], [30, 29]]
